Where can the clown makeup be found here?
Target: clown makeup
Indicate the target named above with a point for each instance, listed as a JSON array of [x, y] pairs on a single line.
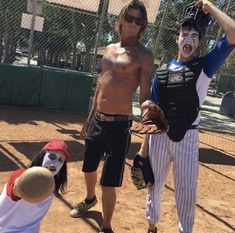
[[53, 160], [188, 42]]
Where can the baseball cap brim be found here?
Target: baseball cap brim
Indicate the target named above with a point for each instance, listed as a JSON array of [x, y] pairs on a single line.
[[57, 144]]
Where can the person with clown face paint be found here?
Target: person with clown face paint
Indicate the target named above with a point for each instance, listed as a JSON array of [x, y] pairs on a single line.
[[20, 216], [180, 88]]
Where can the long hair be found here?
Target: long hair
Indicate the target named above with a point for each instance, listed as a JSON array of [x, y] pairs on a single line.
[[60, 178], [134, 4]]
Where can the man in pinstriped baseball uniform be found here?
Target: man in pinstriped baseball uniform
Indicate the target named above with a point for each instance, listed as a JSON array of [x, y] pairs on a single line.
[[180, 89]]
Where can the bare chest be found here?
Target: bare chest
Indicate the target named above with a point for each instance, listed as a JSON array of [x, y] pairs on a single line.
[[121, 61]]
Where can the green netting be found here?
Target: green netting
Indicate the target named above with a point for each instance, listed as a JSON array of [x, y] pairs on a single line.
[[5, 84], [63, 89], [26, 83]]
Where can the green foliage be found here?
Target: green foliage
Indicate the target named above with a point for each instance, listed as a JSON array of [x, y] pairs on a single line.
[[69, 34], [10, 21]]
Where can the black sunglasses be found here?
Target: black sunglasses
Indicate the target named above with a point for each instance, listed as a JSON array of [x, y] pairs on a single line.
[[129, 19]]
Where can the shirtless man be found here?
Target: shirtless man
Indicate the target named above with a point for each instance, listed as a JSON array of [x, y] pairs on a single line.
[[125, 66]]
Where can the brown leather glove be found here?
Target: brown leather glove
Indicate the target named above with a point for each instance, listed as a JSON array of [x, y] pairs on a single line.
[[152, 122]]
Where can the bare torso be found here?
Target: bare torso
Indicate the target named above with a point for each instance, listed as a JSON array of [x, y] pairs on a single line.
[[120, 78]]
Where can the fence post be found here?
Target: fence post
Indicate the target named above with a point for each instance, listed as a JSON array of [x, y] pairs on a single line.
[[160, 27], [31, 32], [105, 4]]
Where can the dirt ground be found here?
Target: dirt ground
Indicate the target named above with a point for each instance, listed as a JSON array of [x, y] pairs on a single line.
[[25, 130]]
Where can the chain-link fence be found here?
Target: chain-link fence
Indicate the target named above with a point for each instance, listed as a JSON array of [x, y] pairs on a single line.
[[73, 34]]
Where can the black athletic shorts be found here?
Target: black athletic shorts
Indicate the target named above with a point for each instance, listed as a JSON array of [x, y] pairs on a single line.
[[108, 136]]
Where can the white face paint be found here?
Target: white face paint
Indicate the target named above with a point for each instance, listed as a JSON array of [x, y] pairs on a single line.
[[188, 42], [53, 160]]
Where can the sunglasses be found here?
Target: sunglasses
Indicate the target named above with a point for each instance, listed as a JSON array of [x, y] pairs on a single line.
[[129, 19]]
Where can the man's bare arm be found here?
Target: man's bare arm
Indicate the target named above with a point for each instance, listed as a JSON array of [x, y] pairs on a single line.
[[94, 103], [145, 80], [91, 113], [144, 147]]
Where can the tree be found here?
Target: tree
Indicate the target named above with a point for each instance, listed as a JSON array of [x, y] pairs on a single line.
[[60, 38], [10, 20]]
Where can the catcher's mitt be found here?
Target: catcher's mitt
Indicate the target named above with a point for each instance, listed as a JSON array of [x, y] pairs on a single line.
[[141, 172], [152, 122]]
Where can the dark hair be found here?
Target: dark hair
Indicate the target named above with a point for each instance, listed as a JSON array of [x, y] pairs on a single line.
[[134, 4], [60, 178], [191, 25]]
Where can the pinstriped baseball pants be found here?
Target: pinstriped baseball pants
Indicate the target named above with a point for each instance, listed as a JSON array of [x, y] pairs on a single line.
[[184, 156]]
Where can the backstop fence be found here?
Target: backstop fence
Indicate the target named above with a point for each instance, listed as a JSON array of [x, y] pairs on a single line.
[[72, 34]]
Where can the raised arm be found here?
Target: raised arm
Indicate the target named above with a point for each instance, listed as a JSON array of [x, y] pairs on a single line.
[[226, 22]]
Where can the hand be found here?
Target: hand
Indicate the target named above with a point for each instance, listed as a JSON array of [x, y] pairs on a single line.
[[145, 106], [153, 121], [84, 129], [204, 5]]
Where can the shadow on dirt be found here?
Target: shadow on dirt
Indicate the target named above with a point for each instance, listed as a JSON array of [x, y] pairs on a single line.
[[21, 115], [29, 149], [88, 216], [212, 156], [10, 162], [206, 211]]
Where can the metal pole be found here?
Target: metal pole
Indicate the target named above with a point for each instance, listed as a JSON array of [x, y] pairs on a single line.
[[99, 35], [160, 27], [31, 32]]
